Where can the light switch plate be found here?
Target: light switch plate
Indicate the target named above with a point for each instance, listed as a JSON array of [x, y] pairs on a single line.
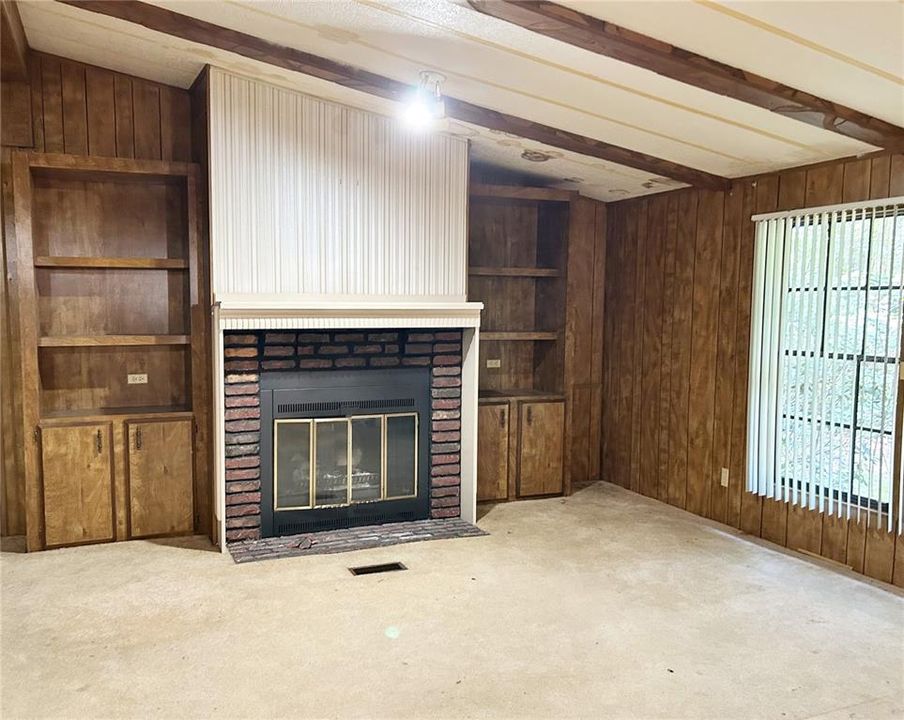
[[494, 363], [137, 378], [724, 477]]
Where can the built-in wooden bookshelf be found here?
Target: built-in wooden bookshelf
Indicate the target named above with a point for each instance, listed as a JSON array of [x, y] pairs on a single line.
[[109, 276], [518, 256], [518, 239]]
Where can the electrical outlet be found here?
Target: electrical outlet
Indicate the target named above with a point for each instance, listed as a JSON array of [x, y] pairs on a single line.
[[494, 363], [137, 378], [724, 477]]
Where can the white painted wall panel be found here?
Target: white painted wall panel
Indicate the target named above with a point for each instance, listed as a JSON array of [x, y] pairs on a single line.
[[310, 197]]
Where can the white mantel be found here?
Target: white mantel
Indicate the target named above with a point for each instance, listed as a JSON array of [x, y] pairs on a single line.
[[254, 311]]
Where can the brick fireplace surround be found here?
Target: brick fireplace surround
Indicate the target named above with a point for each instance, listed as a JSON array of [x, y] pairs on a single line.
[[247, 354]]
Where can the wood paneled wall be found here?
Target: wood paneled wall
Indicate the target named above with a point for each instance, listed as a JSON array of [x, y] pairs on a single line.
[[677, 324], [585, 310], [86, 110], [83, 110]]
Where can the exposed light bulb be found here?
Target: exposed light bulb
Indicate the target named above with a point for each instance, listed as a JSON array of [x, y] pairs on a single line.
[[425, 104]]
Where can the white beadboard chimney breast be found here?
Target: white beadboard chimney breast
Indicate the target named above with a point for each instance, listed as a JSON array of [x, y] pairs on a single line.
[[325, 216], [311, 197]]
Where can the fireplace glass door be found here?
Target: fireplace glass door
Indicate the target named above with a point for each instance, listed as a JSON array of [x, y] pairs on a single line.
[[344, 461]]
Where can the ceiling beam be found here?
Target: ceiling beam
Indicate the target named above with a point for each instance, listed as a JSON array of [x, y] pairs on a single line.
[[13, 45], [199, 31], [603, 38]]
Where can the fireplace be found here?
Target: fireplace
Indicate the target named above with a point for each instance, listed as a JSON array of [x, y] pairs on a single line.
[[343, 448], [334, 428]]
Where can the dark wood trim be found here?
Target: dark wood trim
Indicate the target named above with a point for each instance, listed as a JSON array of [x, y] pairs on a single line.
[[188, 28], [15, 92], [13, 45], [604, 38], [28, 339]]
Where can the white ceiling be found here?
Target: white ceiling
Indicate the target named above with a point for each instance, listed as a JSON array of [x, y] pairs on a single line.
[[851, 52]]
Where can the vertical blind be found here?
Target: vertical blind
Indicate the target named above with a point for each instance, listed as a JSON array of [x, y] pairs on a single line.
[[824, 426]]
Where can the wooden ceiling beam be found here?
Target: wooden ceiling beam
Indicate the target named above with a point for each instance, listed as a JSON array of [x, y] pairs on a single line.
[[604, 38], [199, 31], [13, 45]]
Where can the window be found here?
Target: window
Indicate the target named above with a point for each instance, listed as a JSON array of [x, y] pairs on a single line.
[[823, 425]]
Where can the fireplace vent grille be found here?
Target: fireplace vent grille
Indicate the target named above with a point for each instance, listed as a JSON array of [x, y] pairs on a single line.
[[344, 406]]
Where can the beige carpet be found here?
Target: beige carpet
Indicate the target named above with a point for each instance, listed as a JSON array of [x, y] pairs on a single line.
[[604, 605]]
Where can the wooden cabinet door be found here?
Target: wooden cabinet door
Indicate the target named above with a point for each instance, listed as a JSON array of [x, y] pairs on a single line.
[[541, 447], [77, 475], [492, 451], [160, 478]]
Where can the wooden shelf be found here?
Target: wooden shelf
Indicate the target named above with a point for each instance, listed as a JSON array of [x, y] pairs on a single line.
[[519, 336], [528, 272], [111, 340], [121, 263], [89, 414]]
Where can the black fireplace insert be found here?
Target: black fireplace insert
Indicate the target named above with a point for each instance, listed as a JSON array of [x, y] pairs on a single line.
[[342, 448]]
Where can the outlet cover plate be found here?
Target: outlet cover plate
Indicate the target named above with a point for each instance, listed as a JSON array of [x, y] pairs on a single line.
[[724, 477], [494, 363], [137, 378]]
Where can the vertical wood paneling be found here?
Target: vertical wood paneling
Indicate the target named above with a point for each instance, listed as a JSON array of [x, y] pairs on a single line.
[[703, 351], [12, 521], [75, 109], [879, 177], [651, 334], [125, 128], [146, 116], [682, 317], [313, 197], [87, 110], [737, 480], [579, 338], [175, 114], [611, 357], [102, 118], [669, 292], [36, 78], [637, 409], [598, 340], [621, 275], [726, 337], [683, 291], [52, 100]]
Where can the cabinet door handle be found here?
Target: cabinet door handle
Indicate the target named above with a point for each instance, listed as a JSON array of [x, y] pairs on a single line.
[[502, 419], [138, 439], [99, 442], [530, 414]]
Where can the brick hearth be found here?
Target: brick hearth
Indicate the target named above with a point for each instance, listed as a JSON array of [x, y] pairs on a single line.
[[247, 354]]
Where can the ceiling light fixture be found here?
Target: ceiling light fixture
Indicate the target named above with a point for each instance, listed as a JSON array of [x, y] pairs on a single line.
[[425, 103]]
